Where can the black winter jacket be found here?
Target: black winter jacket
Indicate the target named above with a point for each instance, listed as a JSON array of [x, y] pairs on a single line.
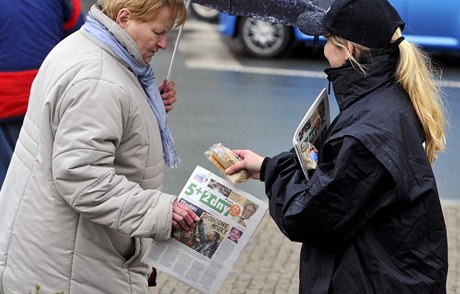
[[370, 218]]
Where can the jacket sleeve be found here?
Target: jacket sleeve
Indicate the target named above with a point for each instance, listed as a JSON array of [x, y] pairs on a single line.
[[285, 12], [341, 196], [90, 122]]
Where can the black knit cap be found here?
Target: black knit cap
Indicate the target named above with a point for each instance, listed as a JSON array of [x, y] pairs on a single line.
[[370, 23]]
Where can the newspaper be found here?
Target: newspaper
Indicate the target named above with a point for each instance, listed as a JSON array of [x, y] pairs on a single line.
[[202, 258], [311, 131]]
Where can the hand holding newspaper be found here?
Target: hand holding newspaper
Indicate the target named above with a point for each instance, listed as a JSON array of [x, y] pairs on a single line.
[[311, 131], [202, 258]]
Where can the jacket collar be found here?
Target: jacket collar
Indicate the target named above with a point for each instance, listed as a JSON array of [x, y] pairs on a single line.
[[351, 84]]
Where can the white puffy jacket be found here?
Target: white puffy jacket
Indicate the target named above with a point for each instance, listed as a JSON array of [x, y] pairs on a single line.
[[83, 194]]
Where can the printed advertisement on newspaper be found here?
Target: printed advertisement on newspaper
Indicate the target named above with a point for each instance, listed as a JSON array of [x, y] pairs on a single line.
[[202, 258]]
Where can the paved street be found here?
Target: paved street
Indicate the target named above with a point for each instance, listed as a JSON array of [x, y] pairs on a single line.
[[269, 264]]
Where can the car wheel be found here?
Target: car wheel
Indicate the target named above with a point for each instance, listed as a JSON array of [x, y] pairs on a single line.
[[263, 39], [204, 13]]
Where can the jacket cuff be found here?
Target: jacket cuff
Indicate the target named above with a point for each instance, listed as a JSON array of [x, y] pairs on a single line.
[[262, 169], [162, 219]]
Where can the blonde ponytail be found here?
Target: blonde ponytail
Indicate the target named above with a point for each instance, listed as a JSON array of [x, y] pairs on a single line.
[[415, 73]]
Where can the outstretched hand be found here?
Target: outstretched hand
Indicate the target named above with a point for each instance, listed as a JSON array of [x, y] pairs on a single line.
[[168, 94], [183, 217], [251, 161]]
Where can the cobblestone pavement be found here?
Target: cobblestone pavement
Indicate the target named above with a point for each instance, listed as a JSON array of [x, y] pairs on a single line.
[[269, 263]]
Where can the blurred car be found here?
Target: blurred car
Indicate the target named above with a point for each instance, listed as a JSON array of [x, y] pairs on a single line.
[[204, 13], [434, 25], [261, 38]]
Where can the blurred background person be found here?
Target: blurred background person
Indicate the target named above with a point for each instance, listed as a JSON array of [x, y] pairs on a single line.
[[29, 29]]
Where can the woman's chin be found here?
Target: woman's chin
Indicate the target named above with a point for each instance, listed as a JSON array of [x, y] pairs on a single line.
[[149, 58]]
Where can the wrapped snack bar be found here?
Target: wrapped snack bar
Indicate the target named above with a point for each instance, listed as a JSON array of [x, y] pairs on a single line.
[[222, 158]]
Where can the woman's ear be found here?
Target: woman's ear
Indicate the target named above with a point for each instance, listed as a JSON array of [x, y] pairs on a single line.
[[123, 17], [351, 48]]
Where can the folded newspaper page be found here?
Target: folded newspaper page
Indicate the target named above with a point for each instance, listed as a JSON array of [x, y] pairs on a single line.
[[203, 258], [311, 131]]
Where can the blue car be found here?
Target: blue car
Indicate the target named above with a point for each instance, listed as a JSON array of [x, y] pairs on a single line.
[[434, 25]]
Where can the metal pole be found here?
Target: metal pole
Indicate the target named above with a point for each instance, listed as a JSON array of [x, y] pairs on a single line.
[[168, 77]]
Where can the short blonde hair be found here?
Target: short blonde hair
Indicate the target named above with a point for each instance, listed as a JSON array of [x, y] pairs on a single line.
[[144, 10]]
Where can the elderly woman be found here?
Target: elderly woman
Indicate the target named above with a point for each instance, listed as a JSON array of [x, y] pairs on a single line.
[[82, 196]]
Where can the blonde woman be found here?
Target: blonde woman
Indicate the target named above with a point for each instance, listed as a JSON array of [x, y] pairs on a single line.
[[370, 217], [82, 198]]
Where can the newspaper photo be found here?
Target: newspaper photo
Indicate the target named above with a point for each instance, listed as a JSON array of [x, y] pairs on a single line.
[[311, 131], [203, 258]]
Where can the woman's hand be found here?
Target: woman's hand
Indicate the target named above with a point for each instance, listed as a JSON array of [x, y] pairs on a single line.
[[183, 217], [168, 94], [251, 161]]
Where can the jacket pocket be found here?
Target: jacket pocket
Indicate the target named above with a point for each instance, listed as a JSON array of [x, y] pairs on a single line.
[[137, 251]]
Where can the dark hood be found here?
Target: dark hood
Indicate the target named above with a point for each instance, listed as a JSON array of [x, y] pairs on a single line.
[[350, 83]]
